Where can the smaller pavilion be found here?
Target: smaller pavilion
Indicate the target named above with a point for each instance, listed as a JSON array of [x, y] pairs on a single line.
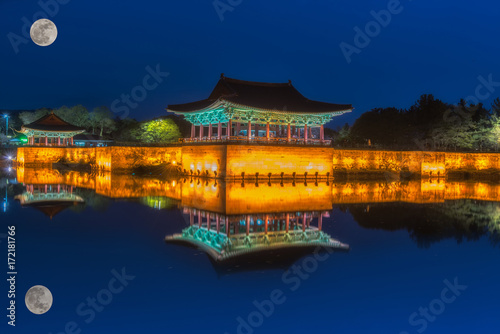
[[258, 112], [50, 130]]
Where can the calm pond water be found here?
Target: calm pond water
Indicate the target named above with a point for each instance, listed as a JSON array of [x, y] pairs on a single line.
[[124, 254]]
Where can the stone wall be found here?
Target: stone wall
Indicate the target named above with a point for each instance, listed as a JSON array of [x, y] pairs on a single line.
[[252, 159], [204, 160], [46, 156], [472, 161], [126, 157], [231, 161], [357, 161]]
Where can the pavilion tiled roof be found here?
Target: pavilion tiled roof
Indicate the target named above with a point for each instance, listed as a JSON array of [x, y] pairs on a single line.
[[52, 122], [259, 95]]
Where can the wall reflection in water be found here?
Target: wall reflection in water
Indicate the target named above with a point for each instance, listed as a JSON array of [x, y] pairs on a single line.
[[229, 219]]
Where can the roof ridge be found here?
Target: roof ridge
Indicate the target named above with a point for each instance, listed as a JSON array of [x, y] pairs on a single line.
[[258, 83], [51, 114]]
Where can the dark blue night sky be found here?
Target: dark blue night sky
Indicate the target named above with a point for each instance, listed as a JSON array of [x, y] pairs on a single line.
[[104, 47]]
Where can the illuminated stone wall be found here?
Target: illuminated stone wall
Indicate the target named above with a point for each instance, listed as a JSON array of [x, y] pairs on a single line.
[[472, 161], [356, 161], [425, 163], [252, 159], [126, 157], [230, 161], [204, 159], [43, 156]]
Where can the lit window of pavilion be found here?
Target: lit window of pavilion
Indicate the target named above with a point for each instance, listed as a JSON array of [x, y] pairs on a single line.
[[238, 110], [50, 130]]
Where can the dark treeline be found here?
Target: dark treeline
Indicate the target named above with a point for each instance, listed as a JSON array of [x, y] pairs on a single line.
[[429, 124], [102, 122]]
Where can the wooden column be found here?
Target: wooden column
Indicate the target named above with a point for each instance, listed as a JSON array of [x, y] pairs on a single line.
[[46, 141], [229, 129], [288, 133], [265, 223], [322, 133], [201, 131], [193, 131], [298, 132], [305, 133], [191, 217], [219, 130], [210, 131], [238, 125], [320, 221], [199, 218], [267, 130], [304, 219], [287, 222], [58, 141], [208, 221], [249, 131], [217, 220]]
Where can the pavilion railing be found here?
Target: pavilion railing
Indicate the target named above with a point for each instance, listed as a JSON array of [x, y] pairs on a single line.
[[258, 140]]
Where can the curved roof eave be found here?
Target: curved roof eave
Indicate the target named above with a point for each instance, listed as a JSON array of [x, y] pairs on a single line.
[[225, 103]]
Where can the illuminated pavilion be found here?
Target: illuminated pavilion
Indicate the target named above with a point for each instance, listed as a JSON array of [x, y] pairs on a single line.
[[256, 111], [50, 130]]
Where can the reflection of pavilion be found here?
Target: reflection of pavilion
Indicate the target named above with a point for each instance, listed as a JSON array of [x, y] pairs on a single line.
[[49, 199], [233, 220], [224, 237]]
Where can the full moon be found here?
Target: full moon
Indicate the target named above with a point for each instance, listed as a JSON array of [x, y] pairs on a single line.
[[43, 32], [38, 299]]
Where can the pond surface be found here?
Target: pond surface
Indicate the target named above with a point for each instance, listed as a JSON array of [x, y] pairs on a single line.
[[124, 254]]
